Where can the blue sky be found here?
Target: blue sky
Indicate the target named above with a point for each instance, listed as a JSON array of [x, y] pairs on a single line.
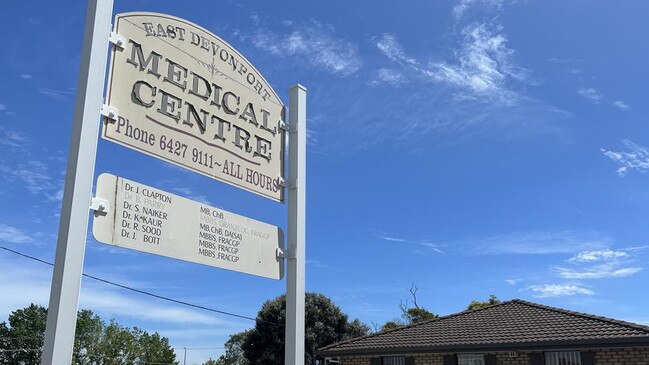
[[469, 146]]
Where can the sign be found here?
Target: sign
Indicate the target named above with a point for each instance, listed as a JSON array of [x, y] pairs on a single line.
[[145, 219], [185, 96]]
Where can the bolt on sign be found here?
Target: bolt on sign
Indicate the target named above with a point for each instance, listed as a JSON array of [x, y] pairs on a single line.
[[185, 96], [146, 219]]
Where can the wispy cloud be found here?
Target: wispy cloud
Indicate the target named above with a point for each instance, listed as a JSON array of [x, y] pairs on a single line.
[[13, 235], [319, 264], [36, 177], [12, 138], [463, 6], [559, 290], [388, 238], [56, 94], [594, 256], [621, 105], [636, 158], [591, 94], [598, 272], [3, 107], [599, 264], [424, 243], [388, 76], [391, 48], [540, 243], [24, 284], [484, 66], [26, 76], [512, 281], [314, 42]]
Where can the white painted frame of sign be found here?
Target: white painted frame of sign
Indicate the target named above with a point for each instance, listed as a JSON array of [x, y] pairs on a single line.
[[73, 228]]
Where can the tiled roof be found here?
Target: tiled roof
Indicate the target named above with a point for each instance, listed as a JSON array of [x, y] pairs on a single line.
[[514, 324]]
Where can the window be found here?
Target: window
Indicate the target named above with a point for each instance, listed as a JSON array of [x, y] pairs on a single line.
[[470, 359], [562, 358], [393, 360]]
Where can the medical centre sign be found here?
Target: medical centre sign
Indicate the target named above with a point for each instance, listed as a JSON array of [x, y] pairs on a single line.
[[187, 97]]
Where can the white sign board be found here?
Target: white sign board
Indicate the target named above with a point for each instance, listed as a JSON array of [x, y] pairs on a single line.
[[185, 96], [146, 219]]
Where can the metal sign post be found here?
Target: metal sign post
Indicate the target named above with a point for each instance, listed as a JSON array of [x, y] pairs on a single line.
[[73, 229], [295, 269]]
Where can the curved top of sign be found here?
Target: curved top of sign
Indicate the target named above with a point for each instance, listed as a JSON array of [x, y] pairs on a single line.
[[185, 96], [241, 70]]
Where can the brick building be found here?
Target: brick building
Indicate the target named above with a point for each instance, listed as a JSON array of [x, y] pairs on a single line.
[[512, 333]]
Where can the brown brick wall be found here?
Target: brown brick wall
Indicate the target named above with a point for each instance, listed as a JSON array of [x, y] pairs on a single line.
[[623, 356], [608, 356], [354, 360]]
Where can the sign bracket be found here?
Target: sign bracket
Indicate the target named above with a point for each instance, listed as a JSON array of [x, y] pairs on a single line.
[[116, 40], [288, 184], [109, 112], [99, 205]]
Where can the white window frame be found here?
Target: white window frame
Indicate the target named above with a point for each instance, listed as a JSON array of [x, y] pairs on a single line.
[[562, 358], [470, 359]]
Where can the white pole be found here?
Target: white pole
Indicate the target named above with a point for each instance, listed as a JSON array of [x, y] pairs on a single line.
[[73, 228], [295, 273]]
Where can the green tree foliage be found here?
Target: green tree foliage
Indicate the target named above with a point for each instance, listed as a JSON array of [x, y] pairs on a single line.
[[23, 338], [493, 300], [390, 325], [233, 351], [95, 342], [410, 313], [325, 324]]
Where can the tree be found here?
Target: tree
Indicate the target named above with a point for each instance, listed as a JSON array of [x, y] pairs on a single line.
[[24, 336], [475, 304], [409, 314], [391, 325], [233, 351], [325, 324], [95, 342]]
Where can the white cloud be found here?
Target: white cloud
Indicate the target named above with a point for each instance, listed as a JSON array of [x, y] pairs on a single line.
[[30, 283], [512, 281], [598, 272], [599, 264], [540, 243], [591, 94], [388, 238], [390, 47], [12, 139], [314, 43], [637, 158], [425, 243], [13, 235], [463, 6], [56, 94], [483, 66], [559, 290], [388, 76], [3, 107], [621, 105], [26, 76], [601, 255], [36, 178]]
